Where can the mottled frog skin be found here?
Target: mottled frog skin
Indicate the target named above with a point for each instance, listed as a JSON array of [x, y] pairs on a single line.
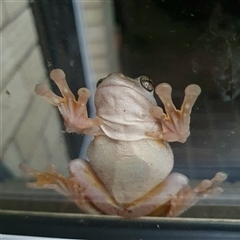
[[130, 161]]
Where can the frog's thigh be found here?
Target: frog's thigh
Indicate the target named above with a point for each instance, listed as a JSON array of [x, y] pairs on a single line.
[[92, 186], [156, 198]]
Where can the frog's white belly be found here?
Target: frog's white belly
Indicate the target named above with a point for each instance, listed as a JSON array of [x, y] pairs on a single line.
[[130, 169]]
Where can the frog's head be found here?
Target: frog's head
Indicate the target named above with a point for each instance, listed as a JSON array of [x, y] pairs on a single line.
[[119, 84]]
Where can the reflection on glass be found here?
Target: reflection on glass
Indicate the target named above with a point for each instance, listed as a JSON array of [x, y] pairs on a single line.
[[169, 41]]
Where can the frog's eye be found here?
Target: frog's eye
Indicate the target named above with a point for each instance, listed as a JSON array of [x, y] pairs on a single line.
[[99, 81], [147, 83]]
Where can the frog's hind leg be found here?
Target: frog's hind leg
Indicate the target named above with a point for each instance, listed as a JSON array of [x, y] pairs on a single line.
[[93, 187], [187, 197], [172, 197], [156, 202], [52, 179], [71, 187]]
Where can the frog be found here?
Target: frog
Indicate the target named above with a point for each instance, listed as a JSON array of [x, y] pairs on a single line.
[[129, 168]]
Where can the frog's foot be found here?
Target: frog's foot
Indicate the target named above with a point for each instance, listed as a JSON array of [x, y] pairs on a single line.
[[188, 197], [49, 179], [74, 111], [83, 186], [175, 123]]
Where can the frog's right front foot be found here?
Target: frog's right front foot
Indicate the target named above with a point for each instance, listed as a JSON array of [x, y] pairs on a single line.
[[74, 111]]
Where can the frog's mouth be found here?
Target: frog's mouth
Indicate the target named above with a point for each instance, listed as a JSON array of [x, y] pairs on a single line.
[[118, 86]]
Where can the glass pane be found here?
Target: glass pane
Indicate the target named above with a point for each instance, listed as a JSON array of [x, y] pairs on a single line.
[[130, 164]]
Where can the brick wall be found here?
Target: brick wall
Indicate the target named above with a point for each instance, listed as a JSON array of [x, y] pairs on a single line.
[[30, 126], [31, 130]]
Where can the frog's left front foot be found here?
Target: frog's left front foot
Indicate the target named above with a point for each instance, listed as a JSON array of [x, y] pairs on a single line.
[[175, 123], [74, 111]]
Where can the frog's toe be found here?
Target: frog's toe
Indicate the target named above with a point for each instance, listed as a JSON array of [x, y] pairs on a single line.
[[188, 197], [42, 90]]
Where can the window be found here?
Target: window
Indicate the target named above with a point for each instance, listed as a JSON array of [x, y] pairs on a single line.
[[177, 42]]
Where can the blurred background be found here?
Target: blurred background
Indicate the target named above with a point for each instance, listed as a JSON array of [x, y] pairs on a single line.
[[174, 41]]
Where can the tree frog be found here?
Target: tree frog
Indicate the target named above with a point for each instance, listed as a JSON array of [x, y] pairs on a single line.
[[130, 160]]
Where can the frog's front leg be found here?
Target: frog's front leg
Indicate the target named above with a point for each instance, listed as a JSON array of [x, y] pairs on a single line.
[[74, 111], [175, 123]]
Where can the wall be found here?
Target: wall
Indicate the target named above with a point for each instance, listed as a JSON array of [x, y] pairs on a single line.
[[30, 128]]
